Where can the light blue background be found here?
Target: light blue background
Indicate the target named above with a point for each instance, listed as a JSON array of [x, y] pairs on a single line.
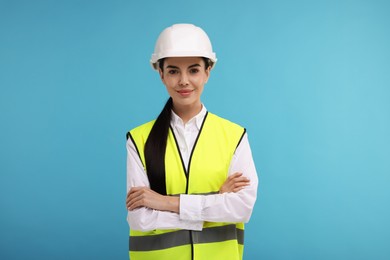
[[308, 79]]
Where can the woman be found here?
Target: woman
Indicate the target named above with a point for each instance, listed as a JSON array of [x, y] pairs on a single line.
[[191, 179]]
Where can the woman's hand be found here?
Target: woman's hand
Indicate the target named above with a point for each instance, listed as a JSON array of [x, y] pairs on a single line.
[[145, 197], [234, 183]]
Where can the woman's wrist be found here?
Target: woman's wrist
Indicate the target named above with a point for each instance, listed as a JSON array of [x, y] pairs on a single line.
[[173, 203]]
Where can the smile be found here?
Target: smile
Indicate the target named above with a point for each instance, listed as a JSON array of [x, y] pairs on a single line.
[[185, 92]]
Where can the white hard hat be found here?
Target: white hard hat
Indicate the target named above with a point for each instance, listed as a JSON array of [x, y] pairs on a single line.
[[183, 40]]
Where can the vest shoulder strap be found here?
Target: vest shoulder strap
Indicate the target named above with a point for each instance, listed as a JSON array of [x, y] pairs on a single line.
[[138, 136]]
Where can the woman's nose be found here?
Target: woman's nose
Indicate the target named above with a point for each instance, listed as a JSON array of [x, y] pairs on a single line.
[[183, 79]]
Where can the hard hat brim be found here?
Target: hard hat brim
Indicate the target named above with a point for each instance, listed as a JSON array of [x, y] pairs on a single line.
[[156, 57]]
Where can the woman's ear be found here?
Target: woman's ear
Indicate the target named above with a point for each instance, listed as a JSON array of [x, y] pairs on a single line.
[[161, 74], [207, 71]]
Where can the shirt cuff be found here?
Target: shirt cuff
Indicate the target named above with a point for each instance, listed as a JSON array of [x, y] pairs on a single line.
[[190, 207], [193, 225]]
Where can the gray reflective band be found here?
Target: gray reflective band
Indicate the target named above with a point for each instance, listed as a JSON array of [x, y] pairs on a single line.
[[218, 234], [240, 236], [182, 237], [162, 241]]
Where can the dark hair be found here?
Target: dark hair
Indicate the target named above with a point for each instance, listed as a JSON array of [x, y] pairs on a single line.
[[155, 149], [156, 143]]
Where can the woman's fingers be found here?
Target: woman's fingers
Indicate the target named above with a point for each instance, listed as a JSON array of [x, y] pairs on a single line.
[[235, 175], [238, 181], [136, 197], [234, 183], [145, 197], [240, 186]]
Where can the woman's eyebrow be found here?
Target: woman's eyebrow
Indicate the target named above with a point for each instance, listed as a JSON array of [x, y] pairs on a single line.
[[172, 67], [175, 67], [194, 65]]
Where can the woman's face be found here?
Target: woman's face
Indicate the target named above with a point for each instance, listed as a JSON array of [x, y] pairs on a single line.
[[184, 78]]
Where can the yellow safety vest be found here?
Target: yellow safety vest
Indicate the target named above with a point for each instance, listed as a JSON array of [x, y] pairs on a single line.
[[207, 170]]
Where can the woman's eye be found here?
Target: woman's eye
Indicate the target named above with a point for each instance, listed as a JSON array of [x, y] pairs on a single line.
[[172, 72], [193, 71]]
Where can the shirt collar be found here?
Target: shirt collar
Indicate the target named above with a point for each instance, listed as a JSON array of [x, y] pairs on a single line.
[[197, 120]]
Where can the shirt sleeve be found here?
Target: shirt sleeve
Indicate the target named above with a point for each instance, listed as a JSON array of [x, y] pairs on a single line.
[[145, 219], [226, 207]]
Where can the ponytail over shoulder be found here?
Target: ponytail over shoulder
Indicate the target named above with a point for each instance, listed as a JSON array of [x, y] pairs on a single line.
[[155, 148]]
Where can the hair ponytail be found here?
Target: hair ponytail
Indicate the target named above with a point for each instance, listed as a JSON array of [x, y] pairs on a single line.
[[155, 148]]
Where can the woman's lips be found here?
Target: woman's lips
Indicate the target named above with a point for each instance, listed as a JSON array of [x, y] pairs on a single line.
[[185, 92]]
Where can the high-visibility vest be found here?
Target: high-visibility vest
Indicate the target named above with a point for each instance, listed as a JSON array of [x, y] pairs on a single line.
[[207, 170]]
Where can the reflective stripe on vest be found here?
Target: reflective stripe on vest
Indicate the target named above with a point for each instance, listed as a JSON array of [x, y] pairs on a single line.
[[207, 171], [183, 237]]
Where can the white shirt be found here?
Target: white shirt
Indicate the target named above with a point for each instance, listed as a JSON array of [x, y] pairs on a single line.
[[194, 209]]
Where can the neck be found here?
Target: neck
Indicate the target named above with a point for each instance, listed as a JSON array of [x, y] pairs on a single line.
[[188, 111]]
